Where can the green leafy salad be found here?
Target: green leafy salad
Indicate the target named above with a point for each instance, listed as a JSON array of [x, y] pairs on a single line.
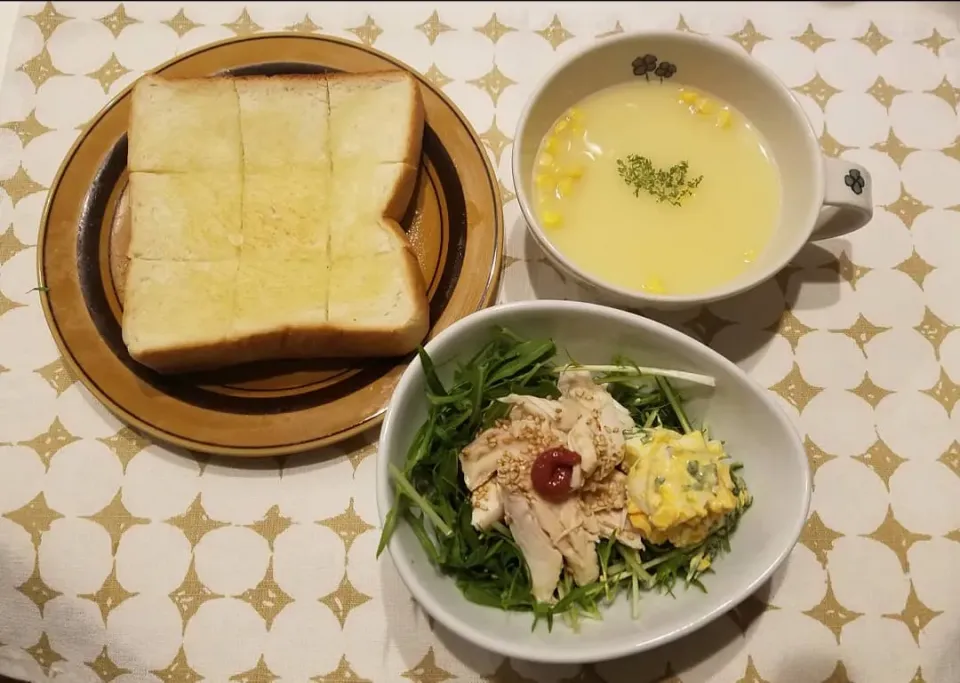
[[644, 502]]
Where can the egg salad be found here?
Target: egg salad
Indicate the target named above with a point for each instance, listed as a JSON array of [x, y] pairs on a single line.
[[680, 487]]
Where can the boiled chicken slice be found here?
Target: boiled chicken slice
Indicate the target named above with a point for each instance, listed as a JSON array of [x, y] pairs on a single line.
[[543, 560], [563, 523], [487, 503], [609, 522]]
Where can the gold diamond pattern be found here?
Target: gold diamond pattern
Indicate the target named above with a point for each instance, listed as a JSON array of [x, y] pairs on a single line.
[[494, 30], [244, 25], [881, 460], [437, 77], [427, 671], [893, 535], [506, 194], [181, 24], [818, 537], [7, 305], [47, 444], [305, 25], [347, 525], [178, 671], [934, 42], [36, 590], [862, 331], [28, 129], [588, 674], [191, 594], [495, 140], [848, 270], [873, 39], [683, 26], [505, 673], [812, 40], [344, 673], [951, 458], [44, 655], [368, 32], [934, 329], [615, 31], [830, 146], [105, 668], [839, 675], [117, 20], [111, 594], [35, 517], [433, 27], [795, 389], [915, 268], [554, 33], [272, 525], [915, 615], [344, 600], [870, 392], [20, 185], [831, 613], [267, 598], [953, 151], [125, 444], [493, 83], [748, 37], [790, 327], [116, 519], [946, 92], [47, 20], [883, 92], [361, 454], [10, 246], [748, 611], [195, 523], [906, 207], [40, 69], [107, 74], [815, 455], [894, 148], [706, 325], [57, 375], [945, 391], [750, 674], [259, 674], [818, 89]]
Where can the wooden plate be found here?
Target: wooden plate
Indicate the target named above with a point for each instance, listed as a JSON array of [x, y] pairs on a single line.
[[455, 224]]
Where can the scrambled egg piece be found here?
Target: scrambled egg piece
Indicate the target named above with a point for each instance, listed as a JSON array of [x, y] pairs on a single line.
[[679, 487]]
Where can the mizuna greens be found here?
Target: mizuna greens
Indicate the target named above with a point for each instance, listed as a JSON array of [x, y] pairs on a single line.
[[487, 566]]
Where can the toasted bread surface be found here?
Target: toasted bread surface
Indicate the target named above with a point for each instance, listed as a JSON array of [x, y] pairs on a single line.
[[270, 228]]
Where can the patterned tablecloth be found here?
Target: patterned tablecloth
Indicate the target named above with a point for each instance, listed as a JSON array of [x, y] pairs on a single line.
[[120, 561]]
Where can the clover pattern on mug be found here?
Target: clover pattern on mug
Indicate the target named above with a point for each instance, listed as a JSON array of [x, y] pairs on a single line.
[[855, 181], [648, 64]]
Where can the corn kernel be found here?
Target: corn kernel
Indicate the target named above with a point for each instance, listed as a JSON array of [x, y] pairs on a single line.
[[565, 187], [551, 145], [575, 171], [688, 97], [561, 126], [575, 114], [705, 106], [546, 159], [543, 180], [749, 255], [723, 118], [551, 219]]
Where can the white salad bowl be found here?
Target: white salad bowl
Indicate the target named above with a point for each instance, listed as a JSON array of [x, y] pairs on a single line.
[[737, 411]]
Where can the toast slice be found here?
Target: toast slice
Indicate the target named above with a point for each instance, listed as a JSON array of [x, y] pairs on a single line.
[[275, 235]]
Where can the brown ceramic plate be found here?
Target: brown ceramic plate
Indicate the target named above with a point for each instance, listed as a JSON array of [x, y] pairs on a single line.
[[454, 223]]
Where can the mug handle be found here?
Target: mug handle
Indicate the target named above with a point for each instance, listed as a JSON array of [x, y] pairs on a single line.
[[847, 199]]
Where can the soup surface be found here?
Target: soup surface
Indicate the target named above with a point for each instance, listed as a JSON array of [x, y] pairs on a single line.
[[656, 187]]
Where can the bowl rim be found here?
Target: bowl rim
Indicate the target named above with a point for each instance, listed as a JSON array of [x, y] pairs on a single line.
[[637, 297], [545, 653]]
